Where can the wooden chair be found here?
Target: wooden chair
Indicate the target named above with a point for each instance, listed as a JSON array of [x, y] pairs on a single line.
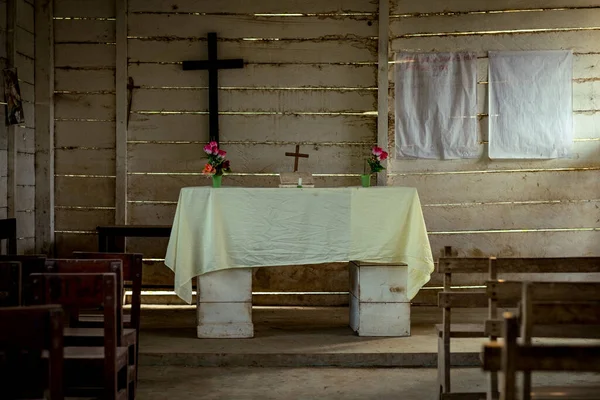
[[10, 284], [8, 232], [89, 331], [31, 340], [526, 267], [549, 309], [94, 370], [29, 264]]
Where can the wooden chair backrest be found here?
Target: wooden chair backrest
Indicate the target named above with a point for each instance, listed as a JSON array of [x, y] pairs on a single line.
[[29, 264], [33, 329], [132, 271], [10, 284], [71, 266], [86, 290], [8, 231]]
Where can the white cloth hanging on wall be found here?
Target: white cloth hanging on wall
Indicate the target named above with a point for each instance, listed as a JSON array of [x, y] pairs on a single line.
[[436, 105], [531, 104]]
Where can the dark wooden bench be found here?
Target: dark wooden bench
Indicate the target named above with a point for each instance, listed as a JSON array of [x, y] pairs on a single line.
[[111, 238], [8, 232], [450, 298], [10, 284], [29, 264], [549, 309], [31, 352]]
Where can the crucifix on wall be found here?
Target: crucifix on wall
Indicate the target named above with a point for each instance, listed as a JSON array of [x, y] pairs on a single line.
[[213, 65], [297, 155]]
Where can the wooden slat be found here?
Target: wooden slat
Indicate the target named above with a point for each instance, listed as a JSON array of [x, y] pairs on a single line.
[[25, 140], [79, 55], [257, 100], [151, 214], [559, 291], [29, 114], [504, 186], [246, 158], [26, 196], [67, 243], [550, 19], [25, 224], [3, 184], [559, 358], [512, 216], [27, 91], [99, 192], [149, 247], [82, 220], [25, 42], [25, 170], [84, 8], [411, 7], [265, 128], [85, 106], [156, 273], [167, 187], [85, 161], [259, 75], [84, 30], [251, 7], [25, 16], [334, 51], [462, 299], [97, 134], [518, 264], [243, 26], [122, 104], [25, 68], [585, 96], [84, 80]]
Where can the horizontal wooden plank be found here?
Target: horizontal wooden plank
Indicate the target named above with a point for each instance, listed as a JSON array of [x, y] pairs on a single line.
[[99, 192], [29, 114], [458, 299], [513, 267], [25, 16], [253, 7], [550, 19], [25, 198], [167, 187], [25, 68], [84, 55], [512, 216], [25, 42], [250, 26], [257, 128], [586, 96], [84, 30], [258, 100], [67, 243], [246, 158], [276, 51], [25, 169], [25, 224], [433, 6], [156, 273], [98, 134], [155, 248], [27, 91], [500, 187], [25, 140], [82, 219], [84, 8], [578, 41], [84, 80], [584, 154], [519, 244], [84, 106], [151, 214], [84, 162], [259, 75]]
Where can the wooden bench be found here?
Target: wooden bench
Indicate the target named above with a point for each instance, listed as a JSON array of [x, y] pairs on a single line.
[[31, 352], [449, 298], [10, 284], [29, 264], [8, 232], [549, 309], [111, 238]]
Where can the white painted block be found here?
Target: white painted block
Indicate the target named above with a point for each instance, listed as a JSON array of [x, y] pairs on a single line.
[[228, 285], [225, 320], [379, 319], [378, 283]]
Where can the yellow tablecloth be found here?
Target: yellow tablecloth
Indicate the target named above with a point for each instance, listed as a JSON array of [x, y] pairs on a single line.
[[223, 228]]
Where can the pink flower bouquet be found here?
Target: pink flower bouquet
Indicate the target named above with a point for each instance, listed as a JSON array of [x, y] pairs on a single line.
[[377, 156], [217, 164]]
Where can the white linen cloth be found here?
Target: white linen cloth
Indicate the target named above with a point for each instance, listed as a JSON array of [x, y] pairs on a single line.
[[436, 105], [531, 104], [223, 228]]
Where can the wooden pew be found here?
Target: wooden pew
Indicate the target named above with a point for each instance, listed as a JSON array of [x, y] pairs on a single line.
[[94, 370], [568, 309], [8, 232], [10, 284], [450, 298], [111, 238], [29, 264], [31, 340]]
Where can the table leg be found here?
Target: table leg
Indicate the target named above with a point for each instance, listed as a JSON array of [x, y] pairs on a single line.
[[224, 304]]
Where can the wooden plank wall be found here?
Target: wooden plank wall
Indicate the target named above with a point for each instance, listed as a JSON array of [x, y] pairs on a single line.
[[508, 208], [310, 78], [3, 129], [84, 121]]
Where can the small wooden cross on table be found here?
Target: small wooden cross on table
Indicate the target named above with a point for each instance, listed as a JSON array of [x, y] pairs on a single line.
[[213, 64], [297, 154]]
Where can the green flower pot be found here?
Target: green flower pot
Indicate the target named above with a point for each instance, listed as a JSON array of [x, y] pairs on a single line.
[[365, 180], [217, 181]]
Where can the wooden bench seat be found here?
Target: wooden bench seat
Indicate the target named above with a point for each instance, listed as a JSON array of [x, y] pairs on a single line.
[[462, 330]]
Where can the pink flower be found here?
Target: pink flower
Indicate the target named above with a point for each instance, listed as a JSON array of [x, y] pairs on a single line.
[[377, 151], [383, 155], [208, 149], [221, 153]]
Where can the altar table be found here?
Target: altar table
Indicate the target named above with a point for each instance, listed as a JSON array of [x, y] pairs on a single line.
[[240, 228]]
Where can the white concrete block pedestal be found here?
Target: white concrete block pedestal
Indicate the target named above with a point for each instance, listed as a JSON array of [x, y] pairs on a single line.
[[378, 302]]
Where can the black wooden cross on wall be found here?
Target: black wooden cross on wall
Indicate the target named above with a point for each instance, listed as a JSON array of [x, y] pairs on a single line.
[[213, 64]]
